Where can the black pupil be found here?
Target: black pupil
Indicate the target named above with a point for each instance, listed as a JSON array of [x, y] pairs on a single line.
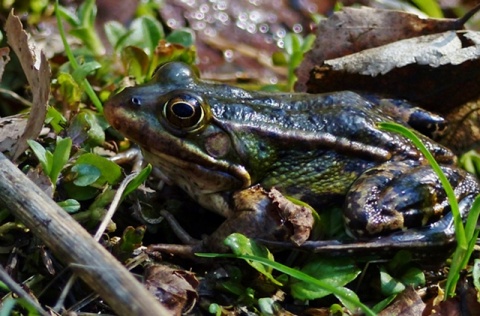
[[183, 110]]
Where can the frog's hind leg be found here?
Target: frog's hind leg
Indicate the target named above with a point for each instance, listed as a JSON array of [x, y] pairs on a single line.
[[438, 234], [401, 195], [436, 240]]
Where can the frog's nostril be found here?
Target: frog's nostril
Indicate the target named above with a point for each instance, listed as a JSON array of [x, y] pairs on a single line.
[[136, 101]]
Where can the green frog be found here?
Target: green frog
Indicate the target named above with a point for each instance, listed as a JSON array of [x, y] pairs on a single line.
[[213, 140]]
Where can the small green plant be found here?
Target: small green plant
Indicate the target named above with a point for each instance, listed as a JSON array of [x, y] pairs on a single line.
[[9, 304], [143, 46], [86, 18], [89, 175], [140, 178], [395, 275], [83, 25], [243, 245], [323, 282], [295, 46], [52, 163], [470, 161]]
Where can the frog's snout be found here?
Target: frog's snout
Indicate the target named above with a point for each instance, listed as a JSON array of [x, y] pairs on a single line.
[[112, 110]]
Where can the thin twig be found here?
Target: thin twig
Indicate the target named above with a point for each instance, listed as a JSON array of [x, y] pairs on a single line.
[[113, 206], [17, 289]]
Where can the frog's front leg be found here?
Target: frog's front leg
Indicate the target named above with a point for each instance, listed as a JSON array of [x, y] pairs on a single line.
[[256, 213], [400, 195]]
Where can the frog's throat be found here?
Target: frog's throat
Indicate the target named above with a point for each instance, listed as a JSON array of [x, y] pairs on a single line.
[[217, 171]]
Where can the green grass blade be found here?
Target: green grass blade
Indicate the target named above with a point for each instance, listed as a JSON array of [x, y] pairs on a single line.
[[73, 62], [430, 7], [459, 229]]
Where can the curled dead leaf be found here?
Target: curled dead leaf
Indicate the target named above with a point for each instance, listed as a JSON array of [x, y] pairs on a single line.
[[37, 72], [11, 129], [298, 216], [266, 215], [174, 288]]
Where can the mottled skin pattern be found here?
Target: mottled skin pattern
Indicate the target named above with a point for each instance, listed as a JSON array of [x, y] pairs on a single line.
[[213, 139]]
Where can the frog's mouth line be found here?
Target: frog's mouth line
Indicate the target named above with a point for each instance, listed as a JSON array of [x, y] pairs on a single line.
[[210, 177]]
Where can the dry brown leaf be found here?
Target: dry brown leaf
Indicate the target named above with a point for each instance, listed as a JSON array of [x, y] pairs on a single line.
[[430, 50], [11, 129], [38, 77], [4, 59], [438, 72], [353, 30], [174, 288], [41, 180], [299, 217], [407, 303], [463, 132], [396, 54], [464, 303]]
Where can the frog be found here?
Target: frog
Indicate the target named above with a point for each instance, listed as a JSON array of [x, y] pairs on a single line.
[[213, 139]]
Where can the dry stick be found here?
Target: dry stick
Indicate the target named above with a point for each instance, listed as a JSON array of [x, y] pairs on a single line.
[[73, 245], [101, 229]]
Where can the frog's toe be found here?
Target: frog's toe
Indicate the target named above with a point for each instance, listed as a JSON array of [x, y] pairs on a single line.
[[401, 195]]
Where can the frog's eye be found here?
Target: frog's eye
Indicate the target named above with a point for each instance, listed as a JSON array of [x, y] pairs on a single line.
[[135, 101], [184, 112]]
